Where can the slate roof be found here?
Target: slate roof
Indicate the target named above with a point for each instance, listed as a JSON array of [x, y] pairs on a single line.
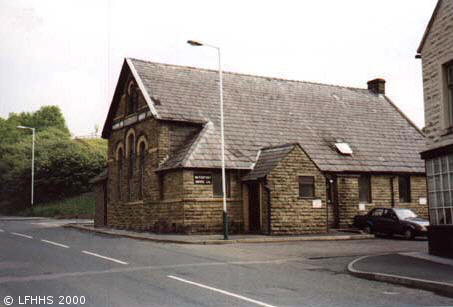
[[263, 111], [268, 159]]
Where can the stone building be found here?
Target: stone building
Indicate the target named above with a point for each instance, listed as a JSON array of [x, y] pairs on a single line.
[[436, 52], [300, 157]]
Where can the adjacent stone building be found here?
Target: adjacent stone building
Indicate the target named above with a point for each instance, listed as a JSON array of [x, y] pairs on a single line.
[[301, 157], [436, 52]]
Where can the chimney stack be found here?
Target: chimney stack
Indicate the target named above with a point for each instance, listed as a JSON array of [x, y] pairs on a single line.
[[377, 86]]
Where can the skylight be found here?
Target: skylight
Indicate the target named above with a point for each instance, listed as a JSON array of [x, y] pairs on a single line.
[[344, 148]]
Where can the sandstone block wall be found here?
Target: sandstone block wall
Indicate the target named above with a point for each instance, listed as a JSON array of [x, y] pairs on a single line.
[[437, 51], [291, 214], [348, 189]]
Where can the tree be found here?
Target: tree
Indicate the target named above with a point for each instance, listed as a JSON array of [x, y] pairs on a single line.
[[45, 117], [63, 167]]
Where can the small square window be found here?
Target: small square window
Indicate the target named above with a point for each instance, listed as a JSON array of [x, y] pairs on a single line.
[[306, 186], [404, 187], [364, 189]]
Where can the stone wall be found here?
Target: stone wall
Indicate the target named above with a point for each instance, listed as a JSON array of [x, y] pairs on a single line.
[[265, 212], [437, 51], [291, 214], [348, 199], [180, 134], [381, 193], [381, 196], [203, 211]]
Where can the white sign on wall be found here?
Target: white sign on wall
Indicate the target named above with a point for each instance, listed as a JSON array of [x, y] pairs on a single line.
[[317, 203], [361, 207], [422, 201]]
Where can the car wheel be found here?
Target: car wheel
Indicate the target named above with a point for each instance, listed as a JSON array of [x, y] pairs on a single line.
[[367, 229], [408, 234]]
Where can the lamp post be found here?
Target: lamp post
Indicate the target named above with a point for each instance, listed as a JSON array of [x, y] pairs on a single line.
[[225, 215], [32, 160]]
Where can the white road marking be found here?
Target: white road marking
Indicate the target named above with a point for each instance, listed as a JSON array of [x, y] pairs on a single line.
[[221, 291], [104, 257], [54, 243], [21, 235], [1, 230]]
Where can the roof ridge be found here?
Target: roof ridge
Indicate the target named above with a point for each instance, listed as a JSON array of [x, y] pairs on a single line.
[[248, 75], [279, 146]]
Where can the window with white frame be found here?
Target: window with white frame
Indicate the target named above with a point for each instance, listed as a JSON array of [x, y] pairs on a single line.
[[440, 189]]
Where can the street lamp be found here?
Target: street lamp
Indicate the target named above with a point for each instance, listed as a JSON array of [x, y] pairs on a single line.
[[225, 215], [32, 159]]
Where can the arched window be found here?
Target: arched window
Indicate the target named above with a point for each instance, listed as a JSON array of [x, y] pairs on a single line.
[[142, 150], [130, 168], [131, 98], [120, 162]]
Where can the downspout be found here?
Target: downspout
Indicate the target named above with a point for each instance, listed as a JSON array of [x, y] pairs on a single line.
[[329, 181], [392, 192], [269, 228], [336, 201]]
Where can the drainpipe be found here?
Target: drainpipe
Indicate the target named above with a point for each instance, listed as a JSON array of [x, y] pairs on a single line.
[[392, 192], [269, 228]]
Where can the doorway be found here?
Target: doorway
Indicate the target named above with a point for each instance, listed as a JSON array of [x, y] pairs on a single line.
[[333, 210], [254, 207]]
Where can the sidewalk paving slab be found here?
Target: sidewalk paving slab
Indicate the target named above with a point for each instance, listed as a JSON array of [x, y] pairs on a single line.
[[408, 269], [217, 239]]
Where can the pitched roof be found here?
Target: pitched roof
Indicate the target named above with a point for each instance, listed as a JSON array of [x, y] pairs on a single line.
[[268, 159], [263, 111]]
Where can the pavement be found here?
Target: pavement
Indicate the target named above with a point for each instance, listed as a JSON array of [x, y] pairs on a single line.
[[218, 239], [412, 269]]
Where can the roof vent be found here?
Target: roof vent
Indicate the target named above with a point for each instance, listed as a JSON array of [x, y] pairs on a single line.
[[377, 86], [344, 148]]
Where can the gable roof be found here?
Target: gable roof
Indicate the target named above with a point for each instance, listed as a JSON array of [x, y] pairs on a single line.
[[428, 27], [268, 159], [263, 111]]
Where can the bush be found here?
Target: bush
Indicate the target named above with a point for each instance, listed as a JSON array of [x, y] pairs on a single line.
[[63, 167]]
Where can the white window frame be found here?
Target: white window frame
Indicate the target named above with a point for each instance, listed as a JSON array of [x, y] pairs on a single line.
[[439, 173]]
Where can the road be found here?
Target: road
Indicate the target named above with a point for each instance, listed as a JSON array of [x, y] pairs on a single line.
[[39, 260]]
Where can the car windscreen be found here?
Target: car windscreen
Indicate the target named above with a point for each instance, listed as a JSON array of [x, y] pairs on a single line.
[[404, 213]]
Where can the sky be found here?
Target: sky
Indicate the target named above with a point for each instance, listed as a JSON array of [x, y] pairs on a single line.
[[69, 53]]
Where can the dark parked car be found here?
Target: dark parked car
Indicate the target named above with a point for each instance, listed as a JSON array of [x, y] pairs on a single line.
[[392, 221]]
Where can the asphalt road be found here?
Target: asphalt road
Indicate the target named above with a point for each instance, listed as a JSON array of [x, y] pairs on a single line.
[[39, 260]]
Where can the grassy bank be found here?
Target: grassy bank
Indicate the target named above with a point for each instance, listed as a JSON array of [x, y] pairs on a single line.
[[81, 206]]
